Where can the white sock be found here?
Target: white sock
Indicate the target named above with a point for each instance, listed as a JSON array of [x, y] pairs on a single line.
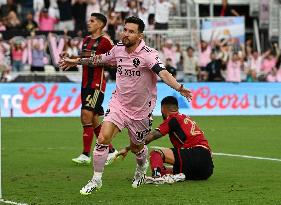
[[97, 175]]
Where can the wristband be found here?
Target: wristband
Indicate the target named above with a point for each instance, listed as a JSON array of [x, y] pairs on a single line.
[[180, 88]]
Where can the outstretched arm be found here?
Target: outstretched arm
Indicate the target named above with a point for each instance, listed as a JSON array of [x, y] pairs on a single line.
[[173, 83], [155, 134], [66, 63]]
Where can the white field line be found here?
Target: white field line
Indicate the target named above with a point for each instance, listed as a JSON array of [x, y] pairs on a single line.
[[235, 155], [11, 202]]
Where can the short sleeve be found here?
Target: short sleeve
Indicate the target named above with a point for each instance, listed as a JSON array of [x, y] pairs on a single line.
[[164, 127], [153, 62], [109, 57]]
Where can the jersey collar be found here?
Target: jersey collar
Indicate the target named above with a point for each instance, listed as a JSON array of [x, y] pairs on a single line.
[[142, 44]]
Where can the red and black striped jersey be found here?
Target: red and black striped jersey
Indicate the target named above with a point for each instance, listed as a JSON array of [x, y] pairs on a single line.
[[183, 132], [93, 77]]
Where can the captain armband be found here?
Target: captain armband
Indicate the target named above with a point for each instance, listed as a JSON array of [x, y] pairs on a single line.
[[157, 68]]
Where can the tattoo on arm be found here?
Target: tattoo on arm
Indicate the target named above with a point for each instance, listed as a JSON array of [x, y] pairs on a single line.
[[93, 60], [155, 134]]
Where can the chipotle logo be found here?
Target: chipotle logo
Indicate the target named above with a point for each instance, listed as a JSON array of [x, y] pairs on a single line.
[[48, 100]]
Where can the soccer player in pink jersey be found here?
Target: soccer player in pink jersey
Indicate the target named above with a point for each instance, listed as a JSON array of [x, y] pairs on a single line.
[[133, 101]]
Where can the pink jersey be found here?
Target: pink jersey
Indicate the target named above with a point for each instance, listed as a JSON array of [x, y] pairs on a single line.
[[135, 81], [233, 71]]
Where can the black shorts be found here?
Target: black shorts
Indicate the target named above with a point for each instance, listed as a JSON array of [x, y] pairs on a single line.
[[92, 100], [196, 163]]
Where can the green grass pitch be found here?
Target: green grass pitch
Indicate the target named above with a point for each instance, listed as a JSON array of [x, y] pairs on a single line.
[[37, 167]]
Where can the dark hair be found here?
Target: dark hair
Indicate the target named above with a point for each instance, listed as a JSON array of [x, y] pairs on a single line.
[[100, 17], [190, 48], [136, 20], [170, 100]]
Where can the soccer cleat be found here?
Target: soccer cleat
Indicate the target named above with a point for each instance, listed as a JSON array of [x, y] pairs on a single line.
[[168, 178], [82, 159], [139, 177], [93, 185], [172, 178], [111, 157], [152, 180]]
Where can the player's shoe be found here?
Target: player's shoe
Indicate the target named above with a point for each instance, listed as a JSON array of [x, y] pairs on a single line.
[[82, 159], [172, 178], [111, 157], [93, 185], [140, 173], [168, 178]]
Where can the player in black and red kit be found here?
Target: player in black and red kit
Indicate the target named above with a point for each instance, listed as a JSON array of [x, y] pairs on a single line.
[[191, 154], [93, 87]]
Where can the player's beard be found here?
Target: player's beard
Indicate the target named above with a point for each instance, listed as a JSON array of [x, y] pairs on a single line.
[[127, 42]]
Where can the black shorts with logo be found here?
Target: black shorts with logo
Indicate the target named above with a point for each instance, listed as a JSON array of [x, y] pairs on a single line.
[[92, 100], [196, 163]]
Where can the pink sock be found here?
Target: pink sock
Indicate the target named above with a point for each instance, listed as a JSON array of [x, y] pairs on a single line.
[[141, 156], [100, 155]]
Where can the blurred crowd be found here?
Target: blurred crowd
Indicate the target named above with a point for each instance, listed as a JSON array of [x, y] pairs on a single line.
[[52, 15], [215, 60], [223, 60]]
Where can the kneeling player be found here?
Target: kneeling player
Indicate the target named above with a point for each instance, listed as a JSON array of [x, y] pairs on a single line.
[[191, 154]]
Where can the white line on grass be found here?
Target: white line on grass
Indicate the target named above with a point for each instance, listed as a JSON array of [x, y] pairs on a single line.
[[235, 155], [11, 202]]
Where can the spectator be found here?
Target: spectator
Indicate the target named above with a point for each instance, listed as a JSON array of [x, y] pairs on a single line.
[[143, 15], [190, 65], [92, 7], [65, 12], [113, 20], [268, 65], [169, 52], [170, 68], [233, 69], [133, 8], [255, 64], [5, 9], [17, 55], [214, 69], [121, 7], [204, 58], [4, 48], [37, 58], [226, 10], [71, 48], [79, 15], [46, 22], [13, 22], [29, 24], [162, 12]]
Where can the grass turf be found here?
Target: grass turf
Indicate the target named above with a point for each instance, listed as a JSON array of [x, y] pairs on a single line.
[[37, 167]]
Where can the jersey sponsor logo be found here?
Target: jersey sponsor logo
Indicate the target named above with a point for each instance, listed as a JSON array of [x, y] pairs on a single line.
[[136, 62], [127, 72]]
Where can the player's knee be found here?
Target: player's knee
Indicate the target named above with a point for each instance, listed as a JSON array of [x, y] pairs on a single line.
[[86, 117], [157, 152], [104, 139]]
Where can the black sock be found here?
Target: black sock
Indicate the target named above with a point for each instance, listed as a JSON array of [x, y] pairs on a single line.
[[87, 154]]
